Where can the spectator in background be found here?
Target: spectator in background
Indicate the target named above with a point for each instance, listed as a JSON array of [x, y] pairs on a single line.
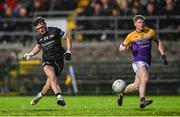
[[11, 3], [23, 14], [1, 8], [115, 9], [23, 25], [168, 10], [136, 7], [158, 5], [40, 5], [150, 11], [26, 8], [94, 9], [8, 25], [82, 24], [106, 8], [64, 4], [28, 5], [115, 12], [97, 24], [89, 11], [124, 9], [178, 13], [97, 12], [134, 10], [177, 7], [8, 11]]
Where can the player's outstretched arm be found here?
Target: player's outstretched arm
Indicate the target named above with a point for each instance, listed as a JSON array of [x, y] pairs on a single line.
[[162, 51], [122, 48], [67, 54], [35, 50]]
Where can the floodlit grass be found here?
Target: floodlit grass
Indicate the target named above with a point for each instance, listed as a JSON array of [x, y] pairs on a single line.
[[89, 106]]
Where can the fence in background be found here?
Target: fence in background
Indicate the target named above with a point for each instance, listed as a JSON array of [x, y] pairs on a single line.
[[92, 78], [93, 27], [109, 27]]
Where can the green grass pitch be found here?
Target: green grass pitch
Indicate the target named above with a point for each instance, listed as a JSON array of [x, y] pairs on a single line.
[[89, 106]]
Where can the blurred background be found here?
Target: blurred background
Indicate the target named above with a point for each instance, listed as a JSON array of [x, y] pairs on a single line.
[[97, 28]]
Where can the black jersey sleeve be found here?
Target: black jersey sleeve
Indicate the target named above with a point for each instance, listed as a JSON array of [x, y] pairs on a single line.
[[60, 33], [38, 39]]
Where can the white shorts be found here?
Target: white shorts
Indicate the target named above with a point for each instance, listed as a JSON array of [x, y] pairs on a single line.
[[138, 64]]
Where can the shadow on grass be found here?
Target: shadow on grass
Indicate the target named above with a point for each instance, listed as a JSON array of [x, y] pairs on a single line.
[[138, 109], [31, 112], [41, 110], [145, 109]]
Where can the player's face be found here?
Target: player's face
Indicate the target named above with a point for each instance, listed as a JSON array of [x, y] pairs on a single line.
[[41, 28], [139, 24]]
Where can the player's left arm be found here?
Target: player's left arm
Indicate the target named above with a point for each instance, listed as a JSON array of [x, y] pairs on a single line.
[[161, 51], [67, 54], [160, 46], [69, 42]]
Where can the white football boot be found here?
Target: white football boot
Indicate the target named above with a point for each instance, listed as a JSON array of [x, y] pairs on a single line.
[[36, 99], [60, 100]]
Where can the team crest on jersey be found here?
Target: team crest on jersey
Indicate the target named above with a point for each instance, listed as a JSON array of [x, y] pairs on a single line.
[[51, 36], [46, 38]]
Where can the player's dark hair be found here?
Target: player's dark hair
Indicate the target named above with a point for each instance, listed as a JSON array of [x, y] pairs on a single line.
[[38, 20]]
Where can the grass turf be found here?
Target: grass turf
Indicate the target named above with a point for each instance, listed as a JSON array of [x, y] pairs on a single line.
[[89, 106]]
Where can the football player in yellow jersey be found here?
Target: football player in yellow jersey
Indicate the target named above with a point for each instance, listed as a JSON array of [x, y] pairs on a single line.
[[140, 44]]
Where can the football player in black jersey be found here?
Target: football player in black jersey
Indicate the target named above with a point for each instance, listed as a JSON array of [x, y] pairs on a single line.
[[53, 54]]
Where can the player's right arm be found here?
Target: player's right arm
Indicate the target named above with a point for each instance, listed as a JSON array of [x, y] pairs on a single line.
[[35, 50], [122, 47], [125, 44]]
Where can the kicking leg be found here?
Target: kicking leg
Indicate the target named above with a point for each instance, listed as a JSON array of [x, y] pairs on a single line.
[[45, 89], [133, 86]]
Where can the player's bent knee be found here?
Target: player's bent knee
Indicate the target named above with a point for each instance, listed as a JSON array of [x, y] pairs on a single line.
[[145, 80], [53, 79], [136, 88]]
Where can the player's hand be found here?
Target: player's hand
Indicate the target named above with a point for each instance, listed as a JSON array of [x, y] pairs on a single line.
[[67, 55], [165, 62], [28, 56]]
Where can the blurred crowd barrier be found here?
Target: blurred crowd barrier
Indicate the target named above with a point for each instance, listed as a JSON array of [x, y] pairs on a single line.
[[91, 78], [117, 27], [91, 28]]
